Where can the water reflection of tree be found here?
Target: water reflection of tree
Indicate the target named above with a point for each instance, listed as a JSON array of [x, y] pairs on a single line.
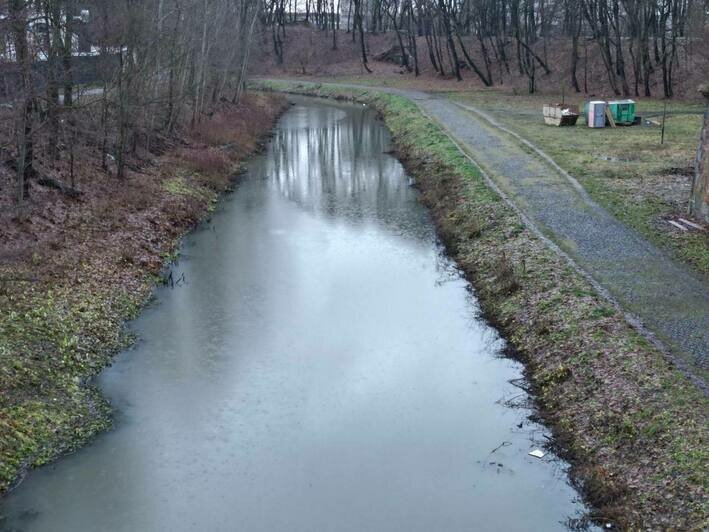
[[338, 166]]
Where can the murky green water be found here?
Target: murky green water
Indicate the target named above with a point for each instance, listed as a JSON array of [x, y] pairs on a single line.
[[320, 369]]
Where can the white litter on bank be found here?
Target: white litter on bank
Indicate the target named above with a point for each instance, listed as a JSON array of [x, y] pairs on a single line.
[[691, 224], [677, 225]]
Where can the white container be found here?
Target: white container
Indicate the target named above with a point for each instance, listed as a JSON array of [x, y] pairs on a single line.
[[596, 113]]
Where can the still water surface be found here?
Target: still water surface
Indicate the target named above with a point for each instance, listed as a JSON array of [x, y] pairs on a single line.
[[320, 369]]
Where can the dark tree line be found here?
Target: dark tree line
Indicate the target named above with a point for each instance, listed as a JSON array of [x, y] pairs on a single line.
[[159, 64], [634, 38]]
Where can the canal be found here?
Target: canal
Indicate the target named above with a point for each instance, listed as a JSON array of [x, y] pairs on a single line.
[[319, 366]]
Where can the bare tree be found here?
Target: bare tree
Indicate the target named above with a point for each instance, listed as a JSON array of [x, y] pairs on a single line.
[[699, 202], [24, 130]]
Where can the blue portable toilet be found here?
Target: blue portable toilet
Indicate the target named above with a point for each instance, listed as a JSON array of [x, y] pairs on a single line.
[[596, 113]]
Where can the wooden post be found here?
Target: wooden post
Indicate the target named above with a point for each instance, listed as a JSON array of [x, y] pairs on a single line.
[[664, 115], [699, 201]]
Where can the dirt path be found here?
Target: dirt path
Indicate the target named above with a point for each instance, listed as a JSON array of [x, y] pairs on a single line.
[[668, 299]]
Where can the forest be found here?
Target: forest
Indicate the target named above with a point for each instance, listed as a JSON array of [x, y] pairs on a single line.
[[149, 68], [636, 39]]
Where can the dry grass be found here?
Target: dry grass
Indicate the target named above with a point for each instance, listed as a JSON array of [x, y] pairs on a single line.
[[232, 126], [206, 160]]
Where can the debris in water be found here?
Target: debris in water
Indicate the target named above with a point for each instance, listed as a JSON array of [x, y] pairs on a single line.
[[503, 444], [537, 453]]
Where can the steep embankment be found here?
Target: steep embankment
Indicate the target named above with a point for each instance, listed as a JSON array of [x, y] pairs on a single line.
[[633, 426], [75, 269]]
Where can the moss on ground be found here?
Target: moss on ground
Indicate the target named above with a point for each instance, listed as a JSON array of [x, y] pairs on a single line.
[[633, 426], [53, 336], [179, 186]]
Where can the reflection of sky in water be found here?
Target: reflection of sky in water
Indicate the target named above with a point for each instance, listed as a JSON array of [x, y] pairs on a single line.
[[340, 169]]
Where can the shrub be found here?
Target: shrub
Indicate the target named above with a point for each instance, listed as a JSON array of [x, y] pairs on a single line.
[[207, 161]]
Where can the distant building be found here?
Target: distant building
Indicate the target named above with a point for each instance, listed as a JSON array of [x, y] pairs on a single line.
[[37, 35]]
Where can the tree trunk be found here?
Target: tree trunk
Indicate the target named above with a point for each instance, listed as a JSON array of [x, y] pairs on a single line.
[[487, 81], [449, 39], [412, 40], [699, 203], [25, 146], [241, 79], [122, 119], [360, 26], [66, 54], [53, 44]]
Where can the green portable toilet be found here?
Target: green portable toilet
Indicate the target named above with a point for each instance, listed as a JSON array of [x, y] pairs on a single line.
[[623, 111]]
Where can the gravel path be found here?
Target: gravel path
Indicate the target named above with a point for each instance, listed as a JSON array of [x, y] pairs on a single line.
[[669, 300]]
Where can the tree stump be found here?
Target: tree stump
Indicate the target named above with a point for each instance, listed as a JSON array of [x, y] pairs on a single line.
[[699, 202]]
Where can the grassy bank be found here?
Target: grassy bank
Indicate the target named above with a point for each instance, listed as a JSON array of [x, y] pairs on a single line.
[[640, 180], [632, 426], [74, 271]]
